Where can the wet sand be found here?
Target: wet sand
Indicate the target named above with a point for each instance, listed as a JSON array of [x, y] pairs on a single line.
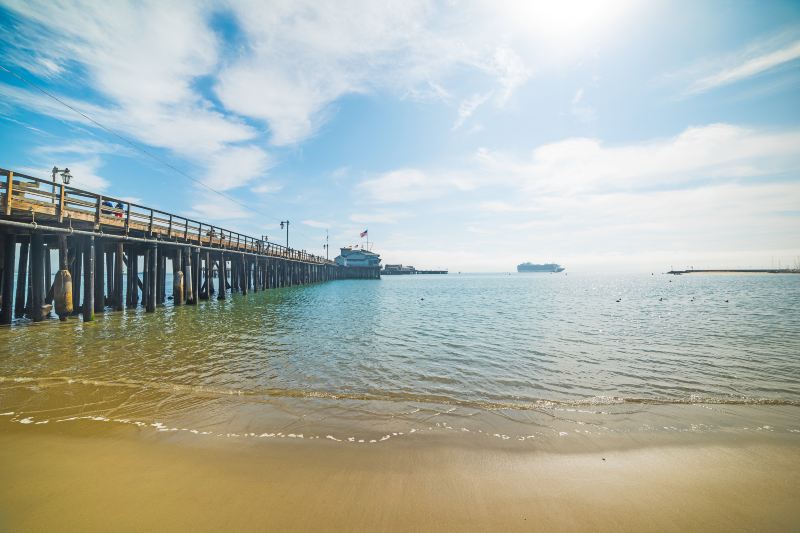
[[101, 477]]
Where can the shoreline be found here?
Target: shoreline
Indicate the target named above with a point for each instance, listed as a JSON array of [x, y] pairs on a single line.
[[58, 478]]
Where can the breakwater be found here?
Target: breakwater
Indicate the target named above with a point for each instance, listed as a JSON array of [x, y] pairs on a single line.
[[113, 254]]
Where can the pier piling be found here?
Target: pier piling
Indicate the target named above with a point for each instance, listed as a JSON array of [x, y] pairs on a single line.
[[9, 252], [37, 276], [89, 258], [22, 280], [76, 262], [99, 276], [118, 263], [150, 277]]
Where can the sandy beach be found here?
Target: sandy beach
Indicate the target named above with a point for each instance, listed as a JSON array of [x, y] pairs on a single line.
[[116, 478]]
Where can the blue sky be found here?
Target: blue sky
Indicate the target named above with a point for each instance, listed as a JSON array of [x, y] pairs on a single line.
[[618, 136]]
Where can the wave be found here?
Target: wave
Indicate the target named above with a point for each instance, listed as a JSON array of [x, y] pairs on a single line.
[[392, 396]]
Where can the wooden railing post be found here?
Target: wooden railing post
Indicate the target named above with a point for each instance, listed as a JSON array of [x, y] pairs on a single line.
[[169, 230], [128, 220], [97, 210], [61, 205], [150, 230], [186, 231], [9, 191]]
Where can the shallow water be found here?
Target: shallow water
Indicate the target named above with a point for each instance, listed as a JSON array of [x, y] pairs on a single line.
[[388, 355]]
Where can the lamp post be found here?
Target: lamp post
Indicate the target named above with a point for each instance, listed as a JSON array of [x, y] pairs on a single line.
[[326, 245], [287, 231], [65, 177]]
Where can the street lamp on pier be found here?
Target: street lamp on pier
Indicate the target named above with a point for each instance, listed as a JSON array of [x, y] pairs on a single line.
[[287, 230], [65, 177]]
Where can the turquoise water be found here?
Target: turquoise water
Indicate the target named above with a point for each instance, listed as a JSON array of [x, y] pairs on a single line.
[[488, 342]]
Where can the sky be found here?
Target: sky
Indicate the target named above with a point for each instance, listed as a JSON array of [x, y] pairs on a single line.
[[620, 136]]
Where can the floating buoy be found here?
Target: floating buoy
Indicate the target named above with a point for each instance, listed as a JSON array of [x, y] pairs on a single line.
[[62, 294], [177, 284]]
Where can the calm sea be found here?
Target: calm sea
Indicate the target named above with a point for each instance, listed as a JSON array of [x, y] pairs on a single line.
[[377, 352]]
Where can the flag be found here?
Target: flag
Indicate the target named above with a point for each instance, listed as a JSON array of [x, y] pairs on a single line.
[[364, 233]]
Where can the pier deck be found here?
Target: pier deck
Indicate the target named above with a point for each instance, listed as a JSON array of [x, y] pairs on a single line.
[[101, 247]]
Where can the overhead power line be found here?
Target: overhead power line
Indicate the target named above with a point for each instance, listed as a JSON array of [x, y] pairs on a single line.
[[127, 141]]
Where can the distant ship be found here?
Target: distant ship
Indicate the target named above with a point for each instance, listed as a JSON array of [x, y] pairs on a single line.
[[547, 267]]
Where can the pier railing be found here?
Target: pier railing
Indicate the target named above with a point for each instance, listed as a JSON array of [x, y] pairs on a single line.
[[45, 200]]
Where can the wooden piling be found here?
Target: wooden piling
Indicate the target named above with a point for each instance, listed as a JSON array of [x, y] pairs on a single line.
[[99, 276], [76, 262], [209, 276], [133, 271], [118, 301], [89, 257], [9, 252], [178, 290], [196, 275], [161, 276], [223, 277], [37, 276], [243, 270], [22, 279], [146, 276], [48, 273], [150, 284], [109, 292], [208, 271]]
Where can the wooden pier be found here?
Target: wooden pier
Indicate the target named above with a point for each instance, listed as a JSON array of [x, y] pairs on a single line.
[[111, 258], [737, 271]]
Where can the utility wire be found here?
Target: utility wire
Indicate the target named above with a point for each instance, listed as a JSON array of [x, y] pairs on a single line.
[[127, 141], [136, 146]]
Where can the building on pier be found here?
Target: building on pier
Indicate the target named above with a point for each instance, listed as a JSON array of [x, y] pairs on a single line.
[[360, 262], [358, 257]]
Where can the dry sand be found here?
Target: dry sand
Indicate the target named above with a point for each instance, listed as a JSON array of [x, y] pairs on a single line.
[[124, 480]]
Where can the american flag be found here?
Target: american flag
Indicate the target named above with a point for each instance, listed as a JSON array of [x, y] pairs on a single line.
[[364, 233]]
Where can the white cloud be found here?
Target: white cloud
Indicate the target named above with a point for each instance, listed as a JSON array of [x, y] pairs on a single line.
[[378, 217], [142, 60], [715, 151], [579, 109], [745, 65], [216, 209], [303, 55], [267, 188], [468, 107], [412, 185], [85, 173], [340, 172], [510, 70], [80, 147], [236, 166], [316, 224]]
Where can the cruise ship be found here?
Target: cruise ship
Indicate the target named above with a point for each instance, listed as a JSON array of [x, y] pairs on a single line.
[[547, 267]]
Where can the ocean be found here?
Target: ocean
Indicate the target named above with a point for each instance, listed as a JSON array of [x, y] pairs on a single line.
[[512, 356]]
